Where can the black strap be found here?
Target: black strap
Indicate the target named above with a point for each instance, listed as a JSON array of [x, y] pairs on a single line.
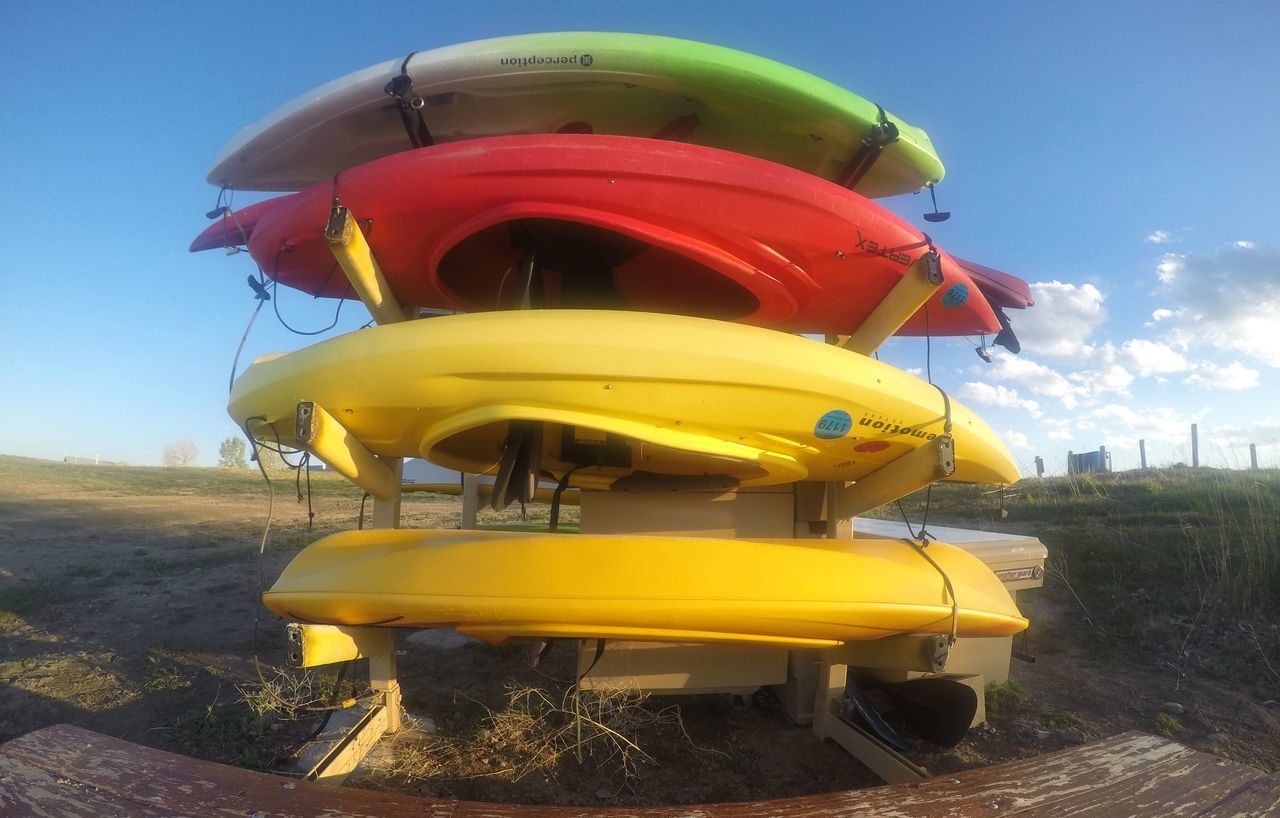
[[883, 134], [1005, 338], [410, 104], [554, 523], [541, 653], [595, 660]]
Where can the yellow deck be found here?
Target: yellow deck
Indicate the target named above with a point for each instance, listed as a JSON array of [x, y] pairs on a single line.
[[670, 395], [496, 585]]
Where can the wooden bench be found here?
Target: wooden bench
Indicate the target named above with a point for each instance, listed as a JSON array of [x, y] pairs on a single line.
[[66, 771]]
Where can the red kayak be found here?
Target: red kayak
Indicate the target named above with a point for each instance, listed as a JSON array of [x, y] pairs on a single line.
[[608, 222]]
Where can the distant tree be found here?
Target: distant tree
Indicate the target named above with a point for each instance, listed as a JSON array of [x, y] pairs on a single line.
[[272, 461], [231, 453], [182, 453]]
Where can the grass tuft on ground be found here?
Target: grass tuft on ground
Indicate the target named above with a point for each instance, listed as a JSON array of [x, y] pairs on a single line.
[[1179, 562]]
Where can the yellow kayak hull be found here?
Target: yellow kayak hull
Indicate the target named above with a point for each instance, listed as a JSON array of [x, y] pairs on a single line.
[[499, 585], [639, 393]]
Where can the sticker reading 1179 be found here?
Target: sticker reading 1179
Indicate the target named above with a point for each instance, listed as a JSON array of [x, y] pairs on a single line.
[[832, 425]]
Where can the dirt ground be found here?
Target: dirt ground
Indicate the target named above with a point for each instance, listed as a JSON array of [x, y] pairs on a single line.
[[133, 614]]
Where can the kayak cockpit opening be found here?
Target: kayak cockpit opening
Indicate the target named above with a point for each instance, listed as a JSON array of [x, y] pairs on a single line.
[[556, 263]]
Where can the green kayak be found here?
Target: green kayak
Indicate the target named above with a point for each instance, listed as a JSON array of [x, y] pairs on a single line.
[[583, 82]]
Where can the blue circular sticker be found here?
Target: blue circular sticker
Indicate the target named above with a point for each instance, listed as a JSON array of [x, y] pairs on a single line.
[[832, 425], [957, 295]]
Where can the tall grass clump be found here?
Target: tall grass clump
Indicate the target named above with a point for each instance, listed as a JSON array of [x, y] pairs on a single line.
[[1183, 561]]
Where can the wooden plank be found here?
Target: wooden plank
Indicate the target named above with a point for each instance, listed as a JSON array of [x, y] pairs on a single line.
[[124, 779], [347, 737], [877, 756], [1182, 785], [1257, 799], [27, 790], [67, 771]]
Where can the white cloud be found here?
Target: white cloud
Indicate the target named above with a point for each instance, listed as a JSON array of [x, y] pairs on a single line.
[[1159, 237], [1064, 318], [1245, 245], [1233, 377], [1264, 435], [998, 395], [1057, 428], [1125, 425], [1228, 300], [1037, 377], [1150, 357], [1111, 378], [1016, 439], [1073, 389], [1159, 315]]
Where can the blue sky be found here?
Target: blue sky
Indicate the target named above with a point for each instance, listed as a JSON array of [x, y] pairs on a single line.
[[1119, 155]]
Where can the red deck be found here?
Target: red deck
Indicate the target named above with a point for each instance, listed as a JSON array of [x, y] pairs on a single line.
[[611, 223]]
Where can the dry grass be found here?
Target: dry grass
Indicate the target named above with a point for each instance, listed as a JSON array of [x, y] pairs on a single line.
[[536, 731], [289, 695]]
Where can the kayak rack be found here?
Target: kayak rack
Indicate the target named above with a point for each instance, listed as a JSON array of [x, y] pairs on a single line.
[[813, 685], [351, 250], [922, 280], [323, 436], [351, 732], [816, 686], [320, 433]]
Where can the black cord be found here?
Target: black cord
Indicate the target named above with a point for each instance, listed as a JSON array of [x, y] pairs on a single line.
[[266, 532], [924, 535], [304, 465], [920, 548], [360, 522], [275, 302]]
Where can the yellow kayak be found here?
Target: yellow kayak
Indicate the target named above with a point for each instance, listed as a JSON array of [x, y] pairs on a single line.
[[624, 399], [497, 585]]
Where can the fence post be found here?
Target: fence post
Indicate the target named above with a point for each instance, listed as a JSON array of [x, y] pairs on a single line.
[[1142, 452], [1195, 446], [1253, 455]]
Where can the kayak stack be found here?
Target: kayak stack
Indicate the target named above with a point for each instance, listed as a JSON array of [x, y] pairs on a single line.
[[590, 261]]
